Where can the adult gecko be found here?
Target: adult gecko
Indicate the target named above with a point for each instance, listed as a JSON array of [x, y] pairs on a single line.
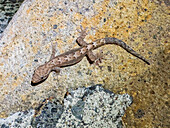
[[76, 55]]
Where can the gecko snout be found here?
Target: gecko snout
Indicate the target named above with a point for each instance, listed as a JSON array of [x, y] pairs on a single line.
[[40, 75]]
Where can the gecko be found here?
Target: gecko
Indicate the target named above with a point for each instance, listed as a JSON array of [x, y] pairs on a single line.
[[74, 56]]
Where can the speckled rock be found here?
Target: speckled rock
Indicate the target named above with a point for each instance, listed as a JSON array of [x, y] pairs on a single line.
[[142, 24], [92, 107], [7, 10], [27, 40], [18, 120], [49, 115]]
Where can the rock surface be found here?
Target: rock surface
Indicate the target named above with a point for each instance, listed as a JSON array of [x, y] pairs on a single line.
[[7, 9], [92, 107], [18, 120], [142, 24], [26, 44]]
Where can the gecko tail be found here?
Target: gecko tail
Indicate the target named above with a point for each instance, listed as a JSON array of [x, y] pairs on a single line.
[[122, 44]]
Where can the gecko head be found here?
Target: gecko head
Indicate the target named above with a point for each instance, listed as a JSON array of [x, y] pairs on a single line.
[[40, 75]]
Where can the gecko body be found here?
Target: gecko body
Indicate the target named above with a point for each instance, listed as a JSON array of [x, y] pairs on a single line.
[[76, 55]]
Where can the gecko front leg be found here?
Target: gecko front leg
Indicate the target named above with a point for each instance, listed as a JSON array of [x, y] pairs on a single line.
[[55, 69], [53, 51]]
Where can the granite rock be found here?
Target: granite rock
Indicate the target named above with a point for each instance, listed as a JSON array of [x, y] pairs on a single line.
[[7, 9], [92, 107], [142, 24]]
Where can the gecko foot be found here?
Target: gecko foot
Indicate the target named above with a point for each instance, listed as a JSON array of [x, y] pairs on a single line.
[[56, 70], [82, 32], [99, 58], [53, 50]]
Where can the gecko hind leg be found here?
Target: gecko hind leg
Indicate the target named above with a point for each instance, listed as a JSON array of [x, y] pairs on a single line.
[[95, 59], [91, 57], [80, 39]]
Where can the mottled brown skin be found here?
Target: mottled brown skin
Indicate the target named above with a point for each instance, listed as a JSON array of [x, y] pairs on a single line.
[[76, 55]]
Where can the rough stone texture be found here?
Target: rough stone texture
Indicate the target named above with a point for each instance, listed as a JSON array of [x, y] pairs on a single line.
[[18, 120], [49, 114], [92, 107], [7, 9], [142, 24]]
